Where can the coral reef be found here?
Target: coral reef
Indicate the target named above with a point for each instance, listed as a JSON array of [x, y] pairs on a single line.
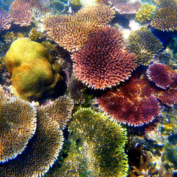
[[162, 75], [103, 62], [5, 20], [60, 110], [145, 13], [144, 44], [34, 72], [98, 144], [125, 7], [17, 126], [166, 3], [165, 19], [72, 32]]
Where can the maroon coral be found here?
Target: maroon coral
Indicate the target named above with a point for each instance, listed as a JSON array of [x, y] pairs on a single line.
[[133, 104], [21, 13], [102, 62], [5, 20], [161, 74]]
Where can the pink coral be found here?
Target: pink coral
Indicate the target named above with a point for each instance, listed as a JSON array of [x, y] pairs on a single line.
[[5, 20]]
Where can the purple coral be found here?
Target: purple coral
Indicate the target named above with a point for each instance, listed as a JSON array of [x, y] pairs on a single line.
[[5, 20]]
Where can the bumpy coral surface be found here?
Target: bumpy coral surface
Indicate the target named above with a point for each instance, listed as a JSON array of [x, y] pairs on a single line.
[[17, 126], [34, 73], [144, 44], [165, 19], [100, 147], [72, 32], [102, 62], [145, 13]]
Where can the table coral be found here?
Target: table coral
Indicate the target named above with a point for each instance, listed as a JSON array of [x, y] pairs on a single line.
[[144, 44], [165, 19], [72, 32], [97, 146], [34, 72], [145, 13], [5, 20], [103, 62]]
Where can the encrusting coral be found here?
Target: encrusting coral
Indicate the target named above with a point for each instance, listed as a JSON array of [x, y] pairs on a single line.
[[98, 144], [34, 72], [145, 13], [144, 44], [103, 62], [17, 126], [72, 32]]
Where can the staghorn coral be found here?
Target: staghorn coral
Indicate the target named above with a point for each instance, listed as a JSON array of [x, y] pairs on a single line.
[[41, 152], [21, 13], [103, 62], [162, 75], [72, 32], [97, 146], [165, 19], [76, 90], [60, 110], [145, 13], [17, 126], [144, 44], [125, 7], [132, 104], [34, 72], [5, 20], [9, 37]]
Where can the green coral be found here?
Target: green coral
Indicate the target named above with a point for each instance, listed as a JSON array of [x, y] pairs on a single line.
[[145, 13], [97, 145], [34, 72], [144, 44]]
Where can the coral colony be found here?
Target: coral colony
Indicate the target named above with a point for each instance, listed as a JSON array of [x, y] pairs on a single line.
[[88, 88]]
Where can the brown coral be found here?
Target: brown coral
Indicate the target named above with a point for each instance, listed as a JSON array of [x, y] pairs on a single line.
[[17, 126], [165, 19], [72, 32], [60, 110], [144, 44], [102, 62], [21, 13]]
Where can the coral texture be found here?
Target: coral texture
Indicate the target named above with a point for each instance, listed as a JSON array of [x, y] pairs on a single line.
[[161, 74], [103, 62], [72, 32], [165, 19], [5, 20], [145, 13], [34, 72], [144, 44], [17, 126], [100, 148]]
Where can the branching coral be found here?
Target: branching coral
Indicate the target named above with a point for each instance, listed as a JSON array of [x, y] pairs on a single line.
[[144, 44], [145, 13], [60, 110], [166, 3], [34, 72], [98, 144], [165, 19], [125, 7], [72, 32], [5, 20], [103, 62]]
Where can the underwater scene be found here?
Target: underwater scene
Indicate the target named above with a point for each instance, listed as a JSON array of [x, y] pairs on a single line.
[[88, 88]]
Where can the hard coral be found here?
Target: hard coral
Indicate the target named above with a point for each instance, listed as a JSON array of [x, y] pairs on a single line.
[[102, 62], [133, 104], [144, 44], [100, 146], [145, 13], [165, 19], [17, 126], [72, 32], [5, 20], [34, 72]]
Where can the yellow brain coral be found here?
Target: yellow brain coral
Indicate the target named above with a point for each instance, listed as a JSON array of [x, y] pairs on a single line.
[[145, 13], [34, 72]]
